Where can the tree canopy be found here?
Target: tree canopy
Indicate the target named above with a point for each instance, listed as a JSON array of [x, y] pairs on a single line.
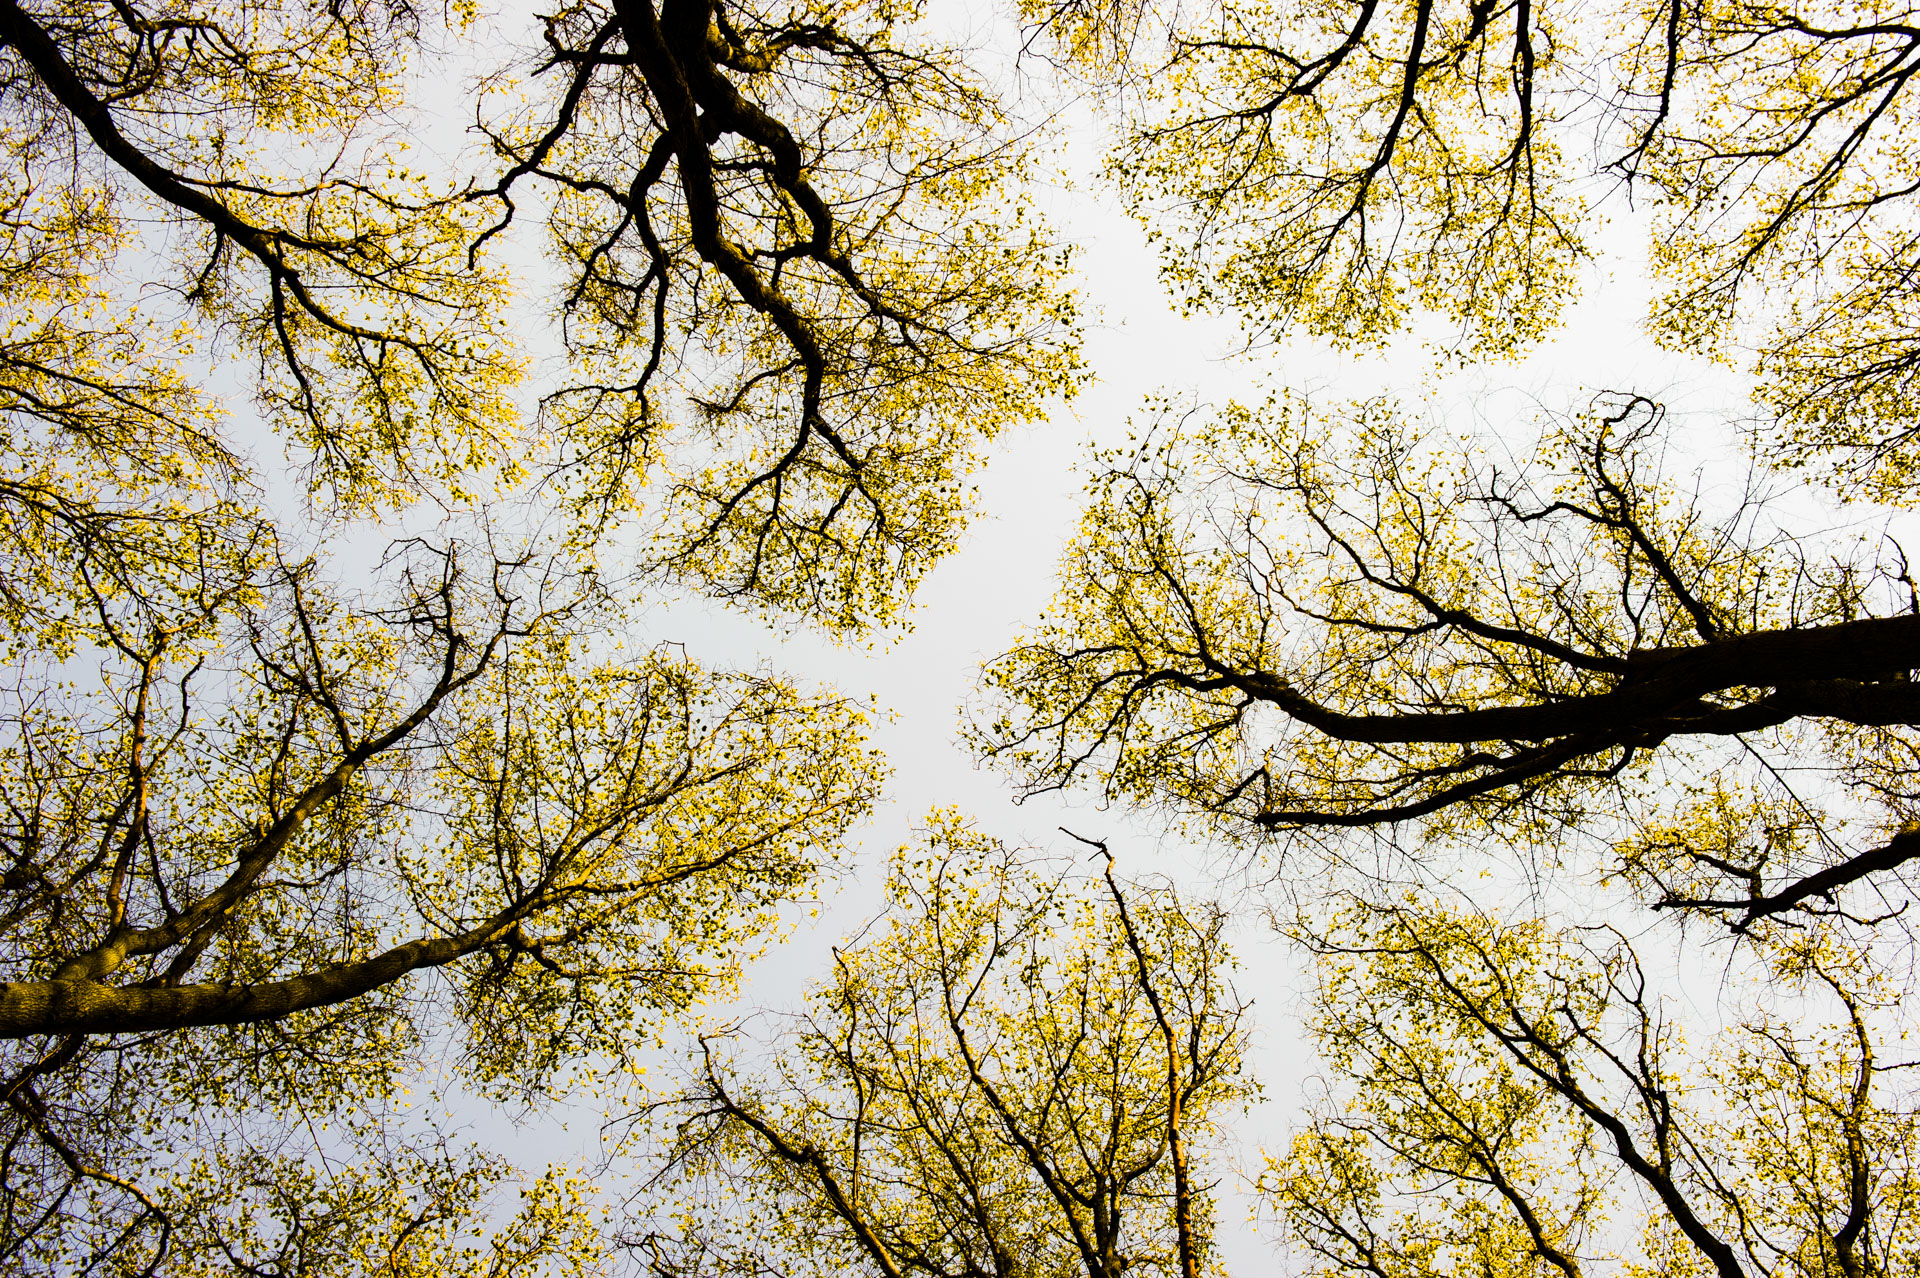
[[1291, 616], [1283, 634], [367, 371], [1344, 169], [1514, 1097], [1010, 1072], [1385, 650], [280, 819]]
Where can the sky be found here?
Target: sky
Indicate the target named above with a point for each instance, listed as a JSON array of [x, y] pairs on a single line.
[[973, 605]]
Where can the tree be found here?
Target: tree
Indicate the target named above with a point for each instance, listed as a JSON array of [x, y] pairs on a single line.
[[1281, 635], [1011, 1072], [795, 246], [396, 1206], [268, 840], [343, 273], [233, 864], [1516, 1098], [1344, 168], [1336, 168], [1294, 626], [1288, 620], [776, 319]]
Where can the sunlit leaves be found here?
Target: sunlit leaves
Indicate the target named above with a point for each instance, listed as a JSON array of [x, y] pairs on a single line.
[[791, 340], [1519, 1099], [319, 801], [1338, 169], [983, 1084], [660, 812], [262, 137], [1295, 616], [1781, 149]]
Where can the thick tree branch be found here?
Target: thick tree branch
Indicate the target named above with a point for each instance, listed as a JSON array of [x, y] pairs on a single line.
[[1823, 884]]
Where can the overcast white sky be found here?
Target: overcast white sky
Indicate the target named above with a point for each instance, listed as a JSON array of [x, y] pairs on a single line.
[[971, 607]]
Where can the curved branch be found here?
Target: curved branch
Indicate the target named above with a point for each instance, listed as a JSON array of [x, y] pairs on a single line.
[[1825, 884]]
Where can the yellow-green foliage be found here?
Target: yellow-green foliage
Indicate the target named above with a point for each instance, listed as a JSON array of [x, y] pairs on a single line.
[[1345, 169], [1346, 556], [982, 1084], [1287, 181], [1513, 1098]]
